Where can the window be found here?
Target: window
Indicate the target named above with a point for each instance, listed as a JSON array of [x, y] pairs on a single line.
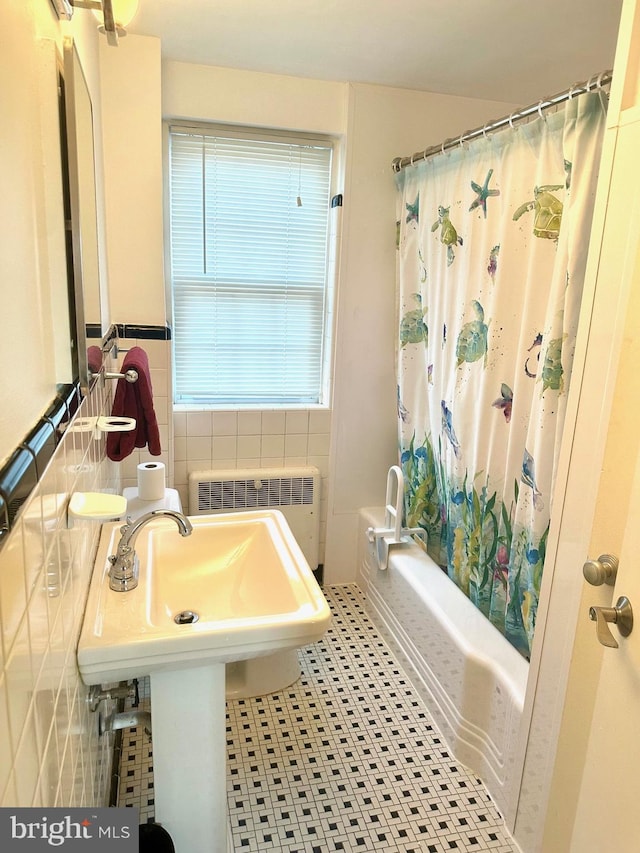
[[249, 218]]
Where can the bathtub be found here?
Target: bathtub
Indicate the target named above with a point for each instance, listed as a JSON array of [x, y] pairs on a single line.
[[469, 676]]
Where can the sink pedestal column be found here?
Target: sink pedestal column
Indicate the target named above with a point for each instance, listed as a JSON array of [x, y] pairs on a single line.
[[189, 756]]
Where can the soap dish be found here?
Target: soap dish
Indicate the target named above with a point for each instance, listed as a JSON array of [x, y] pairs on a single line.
[[97, 506]]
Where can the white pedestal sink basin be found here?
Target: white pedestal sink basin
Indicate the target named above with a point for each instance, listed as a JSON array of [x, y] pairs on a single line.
[[245, 578]]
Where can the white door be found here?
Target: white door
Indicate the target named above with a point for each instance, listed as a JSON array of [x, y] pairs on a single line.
[[608, 813], [608, 809], [581, 781]]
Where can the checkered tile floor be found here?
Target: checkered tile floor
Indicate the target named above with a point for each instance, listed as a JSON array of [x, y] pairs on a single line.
[[346, 759]]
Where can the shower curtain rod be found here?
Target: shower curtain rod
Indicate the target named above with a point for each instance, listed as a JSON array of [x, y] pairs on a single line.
[[594, 83]]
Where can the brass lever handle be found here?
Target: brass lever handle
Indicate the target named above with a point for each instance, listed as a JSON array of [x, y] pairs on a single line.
[[621, 615]]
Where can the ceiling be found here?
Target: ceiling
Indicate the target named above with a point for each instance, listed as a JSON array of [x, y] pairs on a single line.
[[515, 51]]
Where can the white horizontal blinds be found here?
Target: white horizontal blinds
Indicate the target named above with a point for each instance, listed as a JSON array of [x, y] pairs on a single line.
[[248, 267]]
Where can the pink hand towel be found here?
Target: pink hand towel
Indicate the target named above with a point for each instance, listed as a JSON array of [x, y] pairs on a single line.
[[134, 400]]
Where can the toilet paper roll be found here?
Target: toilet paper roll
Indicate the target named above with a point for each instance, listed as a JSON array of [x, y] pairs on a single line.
[[151, 481]]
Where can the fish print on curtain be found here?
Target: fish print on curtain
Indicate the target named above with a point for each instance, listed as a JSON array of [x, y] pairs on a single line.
[[492, 246]]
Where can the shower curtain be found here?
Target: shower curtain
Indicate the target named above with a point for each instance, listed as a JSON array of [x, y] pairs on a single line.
[[492, 246]]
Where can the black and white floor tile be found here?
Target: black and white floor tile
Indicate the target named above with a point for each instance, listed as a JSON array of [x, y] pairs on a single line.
[[346, 759]]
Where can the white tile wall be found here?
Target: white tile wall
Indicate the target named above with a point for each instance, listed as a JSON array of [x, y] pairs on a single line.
[[206, 440], [159, 355], [50, 750]]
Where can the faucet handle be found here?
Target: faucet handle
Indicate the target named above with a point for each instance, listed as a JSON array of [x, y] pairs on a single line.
[[128, 521]]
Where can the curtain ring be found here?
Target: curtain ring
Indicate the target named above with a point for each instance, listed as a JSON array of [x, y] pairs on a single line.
[[511, 121], [599, 80], [411, 159], [588, 84], [442, 146], [461, 140], [571, 88], [540, 110]]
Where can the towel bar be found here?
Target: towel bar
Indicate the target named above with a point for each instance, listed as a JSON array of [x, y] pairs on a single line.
[[112, 348], [130, 375]]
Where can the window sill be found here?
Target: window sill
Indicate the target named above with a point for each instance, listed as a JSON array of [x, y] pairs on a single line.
[[267, 407]]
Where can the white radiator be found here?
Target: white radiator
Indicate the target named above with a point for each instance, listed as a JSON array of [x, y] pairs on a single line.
[[294, 491]]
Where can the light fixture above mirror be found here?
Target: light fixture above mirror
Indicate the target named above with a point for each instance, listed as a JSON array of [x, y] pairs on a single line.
[[113, 15]]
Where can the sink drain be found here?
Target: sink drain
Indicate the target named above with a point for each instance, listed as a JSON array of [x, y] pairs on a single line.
[[186, 617]]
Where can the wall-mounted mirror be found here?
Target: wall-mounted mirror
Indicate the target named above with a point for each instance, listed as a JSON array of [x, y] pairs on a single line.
[[82, 239], [51, 292]]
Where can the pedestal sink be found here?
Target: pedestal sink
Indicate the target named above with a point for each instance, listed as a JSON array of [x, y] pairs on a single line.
[[238, 587]]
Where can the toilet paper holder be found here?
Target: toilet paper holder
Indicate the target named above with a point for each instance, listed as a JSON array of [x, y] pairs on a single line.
[[393, 533]]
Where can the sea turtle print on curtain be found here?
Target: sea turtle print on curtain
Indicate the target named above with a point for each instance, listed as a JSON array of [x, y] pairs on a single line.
[[492, 242]]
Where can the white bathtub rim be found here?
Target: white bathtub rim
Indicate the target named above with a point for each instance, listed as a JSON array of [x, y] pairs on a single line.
[[504, 659]]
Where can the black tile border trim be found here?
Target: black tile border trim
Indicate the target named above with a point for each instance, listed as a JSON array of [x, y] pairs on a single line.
[[21, 472], [41, 443], [109, 338], [17, 479], [142, 332]]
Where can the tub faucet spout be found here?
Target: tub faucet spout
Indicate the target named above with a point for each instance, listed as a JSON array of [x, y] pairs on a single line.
[[123, 575]]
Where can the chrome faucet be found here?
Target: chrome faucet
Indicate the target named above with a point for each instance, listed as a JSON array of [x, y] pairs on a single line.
[[124, 571]]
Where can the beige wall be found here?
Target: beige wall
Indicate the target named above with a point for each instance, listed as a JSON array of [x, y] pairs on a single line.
[[132, 137], [208, 93]]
